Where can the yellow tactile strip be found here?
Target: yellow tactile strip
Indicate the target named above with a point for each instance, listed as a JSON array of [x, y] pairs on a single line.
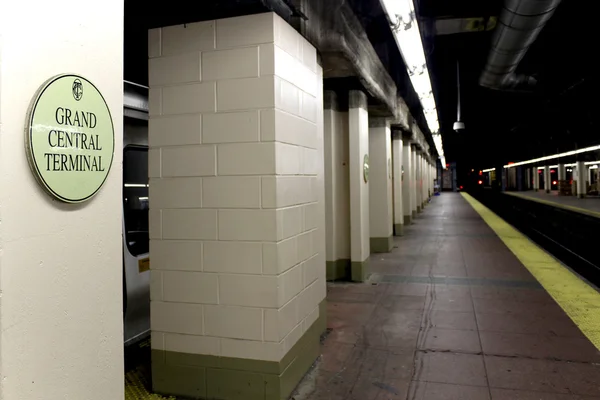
[[578, 299], [136, 387], [137, 381]]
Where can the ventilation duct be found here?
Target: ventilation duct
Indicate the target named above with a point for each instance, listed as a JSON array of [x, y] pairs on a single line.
[[519, 25]]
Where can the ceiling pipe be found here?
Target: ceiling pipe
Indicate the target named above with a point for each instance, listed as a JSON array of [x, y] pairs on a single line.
[[458, 125], [519, 25]]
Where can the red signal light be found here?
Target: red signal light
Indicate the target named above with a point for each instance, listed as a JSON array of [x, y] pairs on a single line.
[[461, 187], [480, 182], [552, 171], [554, 182]]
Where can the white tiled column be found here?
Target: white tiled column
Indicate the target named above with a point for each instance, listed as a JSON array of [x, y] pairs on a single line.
[[236, 201], [581, 179], [536, 178], [397, 181], [381, 214], [337, 189], [61, 265], [419, 179], [547, 179], [407, 183], [414, 193], [358, 119]]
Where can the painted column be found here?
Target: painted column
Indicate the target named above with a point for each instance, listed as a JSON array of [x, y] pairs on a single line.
[[359, 186], [62, 307], [547, 179], [381, 206], [528, 178], [397, 180], [337, 189], [414, 185], [520, 185], [407, 185], [581, 176], [536, 179], [237, 222]]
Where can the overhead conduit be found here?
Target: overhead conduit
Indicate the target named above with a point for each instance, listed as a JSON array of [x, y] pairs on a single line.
[[519, 25]]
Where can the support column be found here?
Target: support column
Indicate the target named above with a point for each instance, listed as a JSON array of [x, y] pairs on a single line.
[[398, 184], [536, 178], [547, 179], [562, 172], [414, 185], [337, 188], [236, 208], [581, 175], [528, 179], [419, 180], [381, 207], [359, 185], [520, 179], [407, 184], [61, 264]]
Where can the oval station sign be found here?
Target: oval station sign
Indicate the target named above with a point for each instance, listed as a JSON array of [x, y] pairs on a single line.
[[70, 138]]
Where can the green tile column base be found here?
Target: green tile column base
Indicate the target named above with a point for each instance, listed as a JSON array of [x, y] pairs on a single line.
[[399, 229], [581, 196], [382, 245], [202, 377], [360, 270], [414, 215], [338, 270], [407, 219], [547, 190], [419, 210]]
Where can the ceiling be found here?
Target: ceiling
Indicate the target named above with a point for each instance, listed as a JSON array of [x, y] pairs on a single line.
[[559, 115]]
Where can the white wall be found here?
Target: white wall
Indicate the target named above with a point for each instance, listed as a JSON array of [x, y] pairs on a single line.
[[251, 173], [397, 153], [380, 181], [359, 189], [60, 265], [337, 184]]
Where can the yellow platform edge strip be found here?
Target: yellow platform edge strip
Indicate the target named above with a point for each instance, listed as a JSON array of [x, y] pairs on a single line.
[[579, 300], [556, 204], [136, 387]]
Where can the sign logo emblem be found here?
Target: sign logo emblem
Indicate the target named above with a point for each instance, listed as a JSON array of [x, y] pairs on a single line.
[[366, 168], [70, 139], [77, 89]]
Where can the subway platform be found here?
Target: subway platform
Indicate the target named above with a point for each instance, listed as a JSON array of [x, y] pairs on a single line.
[[462, 309], [589, 205]]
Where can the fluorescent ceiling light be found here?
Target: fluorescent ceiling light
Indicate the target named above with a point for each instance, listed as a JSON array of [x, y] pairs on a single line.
[[135, 185], [489, 170], [568, 153], [405, 28], [550, 166]]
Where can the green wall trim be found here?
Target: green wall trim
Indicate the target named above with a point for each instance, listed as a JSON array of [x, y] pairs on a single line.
[[399, 229], [382, 245], [197, 376], [408, 219], [360, 270], [338, 270]]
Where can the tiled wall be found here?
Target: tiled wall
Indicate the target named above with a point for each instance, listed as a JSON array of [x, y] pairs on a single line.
[[236, 164]]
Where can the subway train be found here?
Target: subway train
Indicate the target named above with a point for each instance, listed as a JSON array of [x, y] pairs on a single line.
[[136, 239]]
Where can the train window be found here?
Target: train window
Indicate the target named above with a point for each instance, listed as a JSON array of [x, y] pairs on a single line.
[[135, 199]]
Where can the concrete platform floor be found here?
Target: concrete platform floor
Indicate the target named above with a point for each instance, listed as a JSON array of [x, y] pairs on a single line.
[[450, 314]]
